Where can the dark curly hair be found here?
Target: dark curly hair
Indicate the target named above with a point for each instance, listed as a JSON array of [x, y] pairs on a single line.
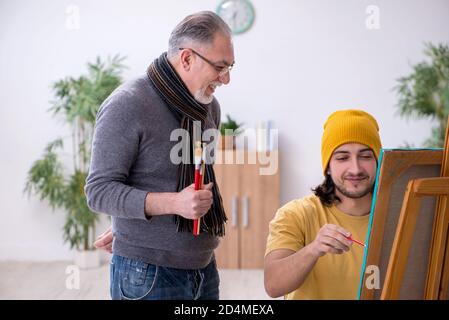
[[326, 192]]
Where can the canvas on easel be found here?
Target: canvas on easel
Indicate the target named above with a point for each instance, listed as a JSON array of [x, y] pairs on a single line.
[[396, 168]]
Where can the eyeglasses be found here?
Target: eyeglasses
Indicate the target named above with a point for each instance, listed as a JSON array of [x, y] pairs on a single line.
[[222, 70]]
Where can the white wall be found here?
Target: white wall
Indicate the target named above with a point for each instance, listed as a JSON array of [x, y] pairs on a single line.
[[301, 61]]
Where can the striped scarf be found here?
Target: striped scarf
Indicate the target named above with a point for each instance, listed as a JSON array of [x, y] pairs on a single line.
[[186, 109]]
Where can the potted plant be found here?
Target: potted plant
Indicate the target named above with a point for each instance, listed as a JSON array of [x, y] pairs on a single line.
[[229, 129], [425, 92], [77, 102]]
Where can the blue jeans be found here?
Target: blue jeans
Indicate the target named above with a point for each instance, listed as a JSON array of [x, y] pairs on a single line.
[[136, 280]]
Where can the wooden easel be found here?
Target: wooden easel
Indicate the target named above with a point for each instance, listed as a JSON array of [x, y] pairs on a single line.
[[437, 281], [438, 275], [396, 168]]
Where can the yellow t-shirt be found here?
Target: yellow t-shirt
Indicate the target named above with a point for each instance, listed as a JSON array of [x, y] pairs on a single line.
[[334, 276]]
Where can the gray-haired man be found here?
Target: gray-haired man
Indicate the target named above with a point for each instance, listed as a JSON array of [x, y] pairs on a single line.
[[151, 199]]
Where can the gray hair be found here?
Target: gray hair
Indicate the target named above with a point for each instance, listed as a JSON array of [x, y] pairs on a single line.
[[199, 27]]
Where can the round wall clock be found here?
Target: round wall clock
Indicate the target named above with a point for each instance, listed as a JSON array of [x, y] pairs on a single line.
[[238, 14]]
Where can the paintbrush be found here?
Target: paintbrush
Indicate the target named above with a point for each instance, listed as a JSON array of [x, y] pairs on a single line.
[[199, 173], [356, 241]]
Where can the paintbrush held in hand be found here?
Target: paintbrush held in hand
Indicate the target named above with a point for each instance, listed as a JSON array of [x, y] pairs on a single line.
[[350, 238], [199, 174]]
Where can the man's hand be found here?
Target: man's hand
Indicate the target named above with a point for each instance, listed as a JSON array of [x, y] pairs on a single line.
[[193, 204], [331, 239], [104, 241]]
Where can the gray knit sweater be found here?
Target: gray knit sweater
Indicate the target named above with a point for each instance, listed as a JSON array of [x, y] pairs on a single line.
[[131, 157]]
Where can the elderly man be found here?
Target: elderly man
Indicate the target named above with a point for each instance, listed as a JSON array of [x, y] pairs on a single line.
[[132, 177]]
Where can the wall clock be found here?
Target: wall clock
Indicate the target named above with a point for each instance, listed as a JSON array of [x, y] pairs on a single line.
[[238, 14]]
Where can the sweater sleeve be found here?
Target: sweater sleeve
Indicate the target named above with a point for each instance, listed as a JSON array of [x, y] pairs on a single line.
[[115, 146]]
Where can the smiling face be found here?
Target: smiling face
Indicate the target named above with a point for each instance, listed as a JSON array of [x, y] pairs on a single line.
[[352, 168], [203, 67]]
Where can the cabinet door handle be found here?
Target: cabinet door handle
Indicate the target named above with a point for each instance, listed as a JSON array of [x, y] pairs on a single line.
[[234, 205], [245, 210]]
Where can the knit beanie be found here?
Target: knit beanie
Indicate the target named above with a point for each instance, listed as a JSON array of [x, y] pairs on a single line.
[[349, 126]]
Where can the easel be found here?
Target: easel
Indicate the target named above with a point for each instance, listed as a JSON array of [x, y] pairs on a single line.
[[437, 281], [396, 168]]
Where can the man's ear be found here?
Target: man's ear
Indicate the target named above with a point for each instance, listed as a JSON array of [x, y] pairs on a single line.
[[186, 60]]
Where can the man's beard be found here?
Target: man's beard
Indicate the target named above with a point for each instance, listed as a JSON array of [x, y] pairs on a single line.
[[355, 194], [201, 95]]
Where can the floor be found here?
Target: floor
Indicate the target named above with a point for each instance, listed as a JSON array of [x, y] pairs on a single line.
[[57, 281]]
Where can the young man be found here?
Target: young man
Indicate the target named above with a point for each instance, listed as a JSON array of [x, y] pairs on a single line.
[[309, 254], [134, 179]]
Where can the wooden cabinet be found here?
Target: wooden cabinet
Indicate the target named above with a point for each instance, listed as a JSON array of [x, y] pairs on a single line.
[[250, 200]]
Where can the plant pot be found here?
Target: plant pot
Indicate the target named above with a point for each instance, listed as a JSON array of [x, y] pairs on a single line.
[[227, 142], [86, 259]]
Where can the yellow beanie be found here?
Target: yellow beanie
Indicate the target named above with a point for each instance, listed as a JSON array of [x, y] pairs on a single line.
[[349, 126]]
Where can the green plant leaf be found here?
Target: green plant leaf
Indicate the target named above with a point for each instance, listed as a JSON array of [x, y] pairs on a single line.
[[45, 178], [76, 101], [425, 92], [230, 124]]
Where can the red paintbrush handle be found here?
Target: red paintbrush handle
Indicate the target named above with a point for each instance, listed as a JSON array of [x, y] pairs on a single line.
[[196, 222], [196, 229], [197, 179], [356, 241]]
